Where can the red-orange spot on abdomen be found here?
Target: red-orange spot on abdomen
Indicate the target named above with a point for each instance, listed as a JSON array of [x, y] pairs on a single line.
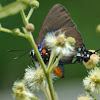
[[58, 71], [43, 51]]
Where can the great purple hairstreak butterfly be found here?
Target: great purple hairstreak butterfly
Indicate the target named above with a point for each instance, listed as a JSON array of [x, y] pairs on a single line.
[[57, 20]]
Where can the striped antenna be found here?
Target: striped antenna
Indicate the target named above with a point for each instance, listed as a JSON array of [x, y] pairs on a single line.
[[97, 50], [21, 55], [17, 50]]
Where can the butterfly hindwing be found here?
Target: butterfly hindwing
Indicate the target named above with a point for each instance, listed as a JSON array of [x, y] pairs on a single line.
[[58, 20]]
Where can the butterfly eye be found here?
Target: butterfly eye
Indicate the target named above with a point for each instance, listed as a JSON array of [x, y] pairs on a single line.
[[32, 53], [44, 51], [86, 59]]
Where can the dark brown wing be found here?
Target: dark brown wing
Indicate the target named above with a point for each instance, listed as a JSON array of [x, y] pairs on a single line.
[[57, 18]]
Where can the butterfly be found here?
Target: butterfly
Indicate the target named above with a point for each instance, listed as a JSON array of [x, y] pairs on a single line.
[[58, 19]]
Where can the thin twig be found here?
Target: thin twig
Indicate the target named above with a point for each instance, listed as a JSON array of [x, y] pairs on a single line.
[[55, 63], [52, 58], [30, 14]]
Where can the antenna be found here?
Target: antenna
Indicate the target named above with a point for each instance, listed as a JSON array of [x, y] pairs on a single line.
[[21, 55], [17, 50], [97, 50]]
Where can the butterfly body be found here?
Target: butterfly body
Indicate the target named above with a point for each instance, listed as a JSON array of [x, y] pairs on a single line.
[[82, 55], [45, 54]]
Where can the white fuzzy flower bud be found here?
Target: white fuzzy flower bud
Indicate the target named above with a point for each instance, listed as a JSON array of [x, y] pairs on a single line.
[[20, 91], [34, 78], [87, 97], [59, 44], [92, 82]]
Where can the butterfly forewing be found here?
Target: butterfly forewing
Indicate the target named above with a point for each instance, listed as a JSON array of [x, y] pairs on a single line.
[[57, 18]]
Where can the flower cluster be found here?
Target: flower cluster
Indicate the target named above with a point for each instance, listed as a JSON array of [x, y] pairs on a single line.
[[34, 78], [60, 43], [85, 97], [21, 91], [93, 61], [92, 81]]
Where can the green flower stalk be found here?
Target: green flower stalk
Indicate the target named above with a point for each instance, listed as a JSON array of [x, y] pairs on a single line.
[[47, 93], [52, 58], [56, 63], [30, 13], [32, 42], [92, 96], [15, 32]]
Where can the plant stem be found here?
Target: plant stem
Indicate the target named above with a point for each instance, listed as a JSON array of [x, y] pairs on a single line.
[[11, 32], [51, 88], [34, 98], [32, 42], [52, 57], [55, 63], [6, 30], [24, 17], [45, 93], [92, 96], [48, 92], [30, 14]]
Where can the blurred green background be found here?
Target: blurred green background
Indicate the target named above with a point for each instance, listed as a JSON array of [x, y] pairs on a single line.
[[85, 14]]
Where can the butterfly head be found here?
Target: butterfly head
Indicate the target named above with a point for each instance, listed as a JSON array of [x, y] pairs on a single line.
[[87, 57]]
